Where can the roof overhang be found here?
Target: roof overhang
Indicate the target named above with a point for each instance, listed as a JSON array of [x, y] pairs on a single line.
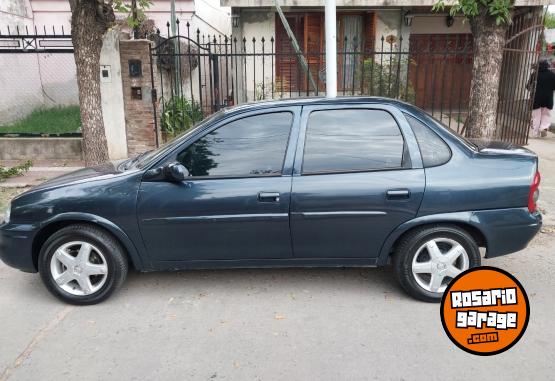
[[356, 3]]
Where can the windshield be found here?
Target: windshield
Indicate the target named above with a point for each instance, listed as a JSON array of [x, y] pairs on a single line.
[[149, 157]]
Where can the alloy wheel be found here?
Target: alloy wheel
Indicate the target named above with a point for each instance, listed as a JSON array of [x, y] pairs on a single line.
[[79, 268], [437, 262]]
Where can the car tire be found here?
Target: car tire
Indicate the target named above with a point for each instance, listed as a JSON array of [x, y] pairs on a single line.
[[417, 252], [82, 264]]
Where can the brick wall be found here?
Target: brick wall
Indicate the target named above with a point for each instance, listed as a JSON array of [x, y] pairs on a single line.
[[139, 115]]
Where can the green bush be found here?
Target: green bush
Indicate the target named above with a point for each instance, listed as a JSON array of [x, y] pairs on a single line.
[[179, 114], [386, 80], [6, 173], [549, 20]]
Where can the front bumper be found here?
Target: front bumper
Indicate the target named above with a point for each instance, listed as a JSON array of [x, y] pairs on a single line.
[[16, 246]]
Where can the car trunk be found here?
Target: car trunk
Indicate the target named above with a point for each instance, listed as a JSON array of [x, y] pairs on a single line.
[[496, 147]]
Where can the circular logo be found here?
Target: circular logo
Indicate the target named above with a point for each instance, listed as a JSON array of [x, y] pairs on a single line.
[[485, 311]]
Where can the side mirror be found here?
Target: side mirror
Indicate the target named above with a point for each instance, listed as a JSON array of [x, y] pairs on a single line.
[[175, 172]]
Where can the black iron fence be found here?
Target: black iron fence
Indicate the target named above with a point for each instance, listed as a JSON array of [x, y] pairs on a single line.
[[518, 76], [197, 74]]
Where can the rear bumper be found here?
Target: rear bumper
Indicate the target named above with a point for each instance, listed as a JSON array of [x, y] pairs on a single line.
[[16, 246], [507, 230]]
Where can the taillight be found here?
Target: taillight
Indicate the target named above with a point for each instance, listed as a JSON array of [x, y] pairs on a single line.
[[534, 193]]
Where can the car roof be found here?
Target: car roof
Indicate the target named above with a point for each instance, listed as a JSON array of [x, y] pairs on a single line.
[[259, 105]]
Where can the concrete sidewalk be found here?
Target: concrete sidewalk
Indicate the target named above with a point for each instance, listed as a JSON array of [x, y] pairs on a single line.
[[41, 171]]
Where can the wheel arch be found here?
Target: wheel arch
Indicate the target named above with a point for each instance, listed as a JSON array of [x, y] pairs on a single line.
[[61, 221], [461, 220]]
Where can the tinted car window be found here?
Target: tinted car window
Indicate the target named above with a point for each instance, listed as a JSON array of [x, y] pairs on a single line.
[[252, 146], [352, 140], [154, 155], [433, 149]]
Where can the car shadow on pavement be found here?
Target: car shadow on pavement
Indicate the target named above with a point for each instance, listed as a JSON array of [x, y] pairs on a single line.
[[371, 282], [140, 287]]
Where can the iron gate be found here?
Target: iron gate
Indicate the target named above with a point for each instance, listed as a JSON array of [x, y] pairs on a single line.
[[518, 76], [185, 72]]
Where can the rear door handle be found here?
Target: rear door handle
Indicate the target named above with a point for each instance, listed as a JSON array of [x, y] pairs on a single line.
[[268, 196], [397, 194]]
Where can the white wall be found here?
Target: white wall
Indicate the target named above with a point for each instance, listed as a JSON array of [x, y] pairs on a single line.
[[255, 23], [112, 97], [431, 24], [48, 13], [15, 13], [30, 81], [209, 16], [389, 22]]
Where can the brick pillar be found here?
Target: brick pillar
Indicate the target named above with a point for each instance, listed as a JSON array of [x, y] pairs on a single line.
[[137, 101]]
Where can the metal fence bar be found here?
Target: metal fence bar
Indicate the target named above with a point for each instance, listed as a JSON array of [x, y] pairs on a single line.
[[273, 59], [263, 74], [153, 98]]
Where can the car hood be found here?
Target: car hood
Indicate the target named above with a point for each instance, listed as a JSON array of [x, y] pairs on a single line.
[[106, 170]]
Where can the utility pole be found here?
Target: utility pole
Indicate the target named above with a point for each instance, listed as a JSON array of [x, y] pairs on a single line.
[[176, 48], [173, 18], [331, 50]]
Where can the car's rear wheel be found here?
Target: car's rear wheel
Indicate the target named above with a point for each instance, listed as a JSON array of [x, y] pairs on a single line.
[[82, 264], [427, 259]]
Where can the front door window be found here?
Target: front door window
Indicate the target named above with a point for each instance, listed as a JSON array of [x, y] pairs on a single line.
[[251, 146]]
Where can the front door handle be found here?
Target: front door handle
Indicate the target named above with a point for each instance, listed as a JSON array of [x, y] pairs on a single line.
[[397, 194], [268, 196]]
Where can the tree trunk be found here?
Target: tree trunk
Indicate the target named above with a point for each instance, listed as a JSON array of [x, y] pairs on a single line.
[[89, 22], [489, 41]]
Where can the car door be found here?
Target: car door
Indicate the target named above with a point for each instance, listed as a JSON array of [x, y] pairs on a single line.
[[358, 175], [235, 204]]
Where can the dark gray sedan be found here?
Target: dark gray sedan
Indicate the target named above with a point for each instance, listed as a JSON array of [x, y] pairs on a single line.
[[312, 182]]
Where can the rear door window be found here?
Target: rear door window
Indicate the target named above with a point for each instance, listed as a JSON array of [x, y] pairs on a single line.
[[352, 140]]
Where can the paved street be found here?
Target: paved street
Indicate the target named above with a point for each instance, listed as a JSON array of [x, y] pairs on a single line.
[[286, 324]]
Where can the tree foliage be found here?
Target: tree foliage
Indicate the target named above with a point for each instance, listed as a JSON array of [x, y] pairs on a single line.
[[549, 20], [500, 10], [124, 7]]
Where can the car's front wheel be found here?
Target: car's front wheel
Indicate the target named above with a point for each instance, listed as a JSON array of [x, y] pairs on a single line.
[[82, 264], [427, 259]]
